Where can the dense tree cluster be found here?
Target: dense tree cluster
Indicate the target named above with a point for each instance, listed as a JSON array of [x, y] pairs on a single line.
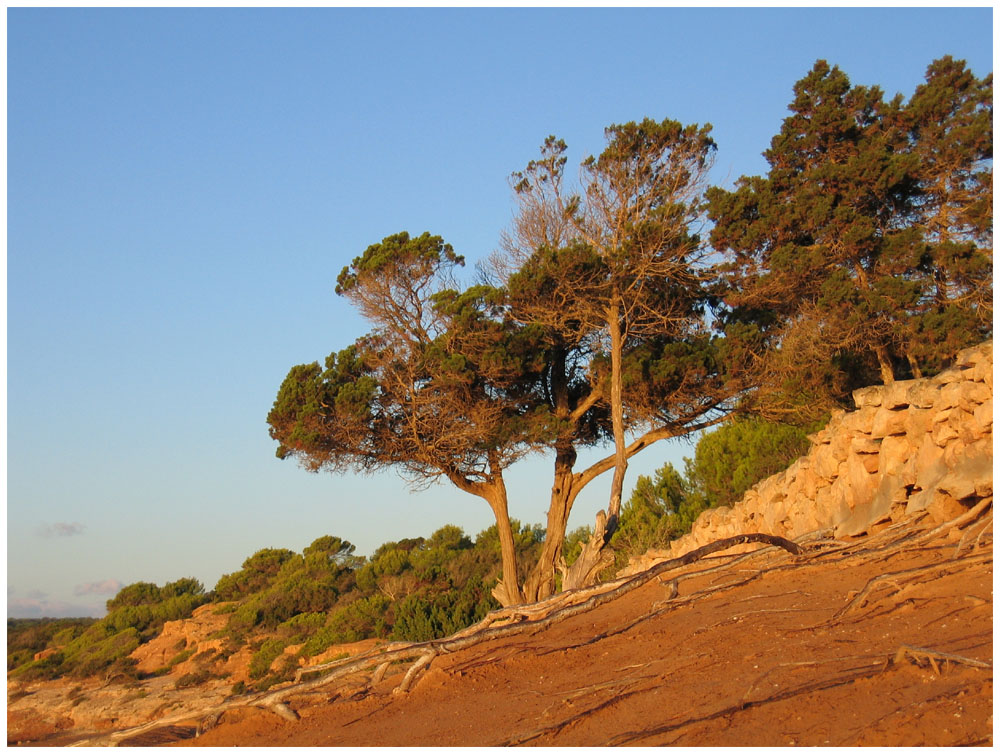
[[865, 253], [610, 319]]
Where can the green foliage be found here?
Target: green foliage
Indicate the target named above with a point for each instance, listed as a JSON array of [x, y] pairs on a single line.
[[258, 572], [29, 636], [269, 651], [135, 615], [419, 256], [180, 657], [421, 617], [133, 595], [91, 654], [299, 627], [865, 253], [275, 586], [730, 460], [727, 462], [652, 516], [362, 618]]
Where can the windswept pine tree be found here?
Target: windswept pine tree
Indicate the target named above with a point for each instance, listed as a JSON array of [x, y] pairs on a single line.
[[866, 250]]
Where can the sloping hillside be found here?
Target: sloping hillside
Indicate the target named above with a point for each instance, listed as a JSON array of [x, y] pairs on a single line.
[[887, 641], [874, 629]]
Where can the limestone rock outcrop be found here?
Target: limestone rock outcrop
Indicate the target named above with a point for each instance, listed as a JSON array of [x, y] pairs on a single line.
[[913, 446]]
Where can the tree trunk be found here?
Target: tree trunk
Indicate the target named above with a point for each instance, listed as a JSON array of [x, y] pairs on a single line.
[[595, 557], [914, 366], [507, 591], [617, 417], [885, 365], [541, 582]]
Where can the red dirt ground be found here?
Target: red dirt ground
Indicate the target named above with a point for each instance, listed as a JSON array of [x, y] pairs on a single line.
[[770, 659]]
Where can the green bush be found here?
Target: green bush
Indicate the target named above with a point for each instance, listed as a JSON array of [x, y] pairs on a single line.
[[726, 463], [28, 636], [85, 657], [261, 661], [139, 593], [300, 627], [135, 614], [259, 572], [733, 458], [180, 657], [40, 670]]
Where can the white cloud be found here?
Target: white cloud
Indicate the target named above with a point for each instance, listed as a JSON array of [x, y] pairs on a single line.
[[61, 529], [108, 586]]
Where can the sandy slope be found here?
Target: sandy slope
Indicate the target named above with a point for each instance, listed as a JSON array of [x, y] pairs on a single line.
[[769, 659]]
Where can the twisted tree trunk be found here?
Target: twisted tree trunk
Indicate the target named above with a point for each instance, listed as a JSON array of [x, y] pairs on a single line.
[[540, 583], [507, 591]]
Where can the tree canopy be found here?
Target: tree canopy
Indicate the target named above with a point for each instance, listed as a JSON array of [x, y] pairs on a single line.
[[866, 249]]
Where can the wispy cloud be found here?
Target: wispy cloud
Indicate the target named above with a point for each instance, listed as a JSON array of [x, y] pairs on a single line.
[[41, 607], [108, 586], [60, 529]]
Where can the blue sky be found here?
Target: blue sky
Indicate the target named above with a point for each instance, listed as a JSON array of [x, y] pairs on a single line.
[[184, 186]]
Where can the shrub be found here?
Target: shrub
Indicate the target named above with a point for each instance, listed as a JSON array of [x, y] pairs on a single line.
[[40, 670], [300, 627], [139, 593], [180, 657], [123, 670], [192, 679], [259, 571], [85, 658], [261, 661], [733, 458]]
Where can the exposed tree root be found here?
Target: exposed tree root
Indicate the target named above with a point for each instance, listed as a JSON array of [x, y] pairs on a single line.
[[987, 523], [415, 670], [910, 574], [918, 655], [875, 665]]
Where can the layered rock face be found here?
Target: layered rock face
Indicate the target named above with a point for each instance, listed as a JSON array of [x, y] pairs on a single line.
[[915, 445]]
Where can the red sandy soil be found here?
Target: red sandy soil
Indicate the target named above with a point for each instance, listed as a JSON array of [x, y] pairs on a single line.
[[766, 661]]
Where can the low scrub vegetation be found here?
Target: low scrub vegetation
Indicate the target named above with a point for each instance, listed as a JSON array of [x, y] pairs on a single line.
[[287, 605], [88, 647]]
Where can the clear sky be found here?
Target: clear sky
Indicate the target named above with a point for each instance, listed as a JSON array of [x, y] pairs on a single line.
[[184, 186]]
